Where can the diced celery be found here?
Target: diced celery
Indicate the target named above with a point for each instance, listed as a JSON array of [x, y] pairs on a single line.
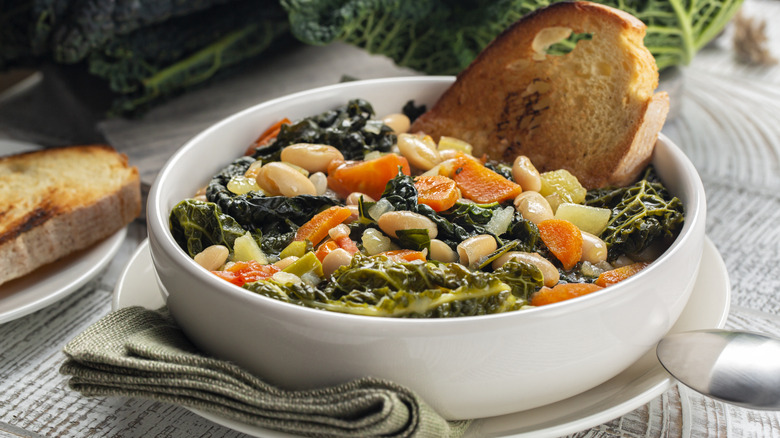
[[306, 266], [296, 248]]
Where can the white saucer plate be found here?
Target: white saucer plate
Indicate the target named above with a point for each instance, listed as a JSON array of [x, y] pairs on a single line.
[[55, 281], [708, 307]]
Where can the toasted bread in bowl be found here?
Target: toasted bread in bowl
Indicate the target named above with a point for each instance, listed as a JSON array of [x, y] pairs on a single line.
[[593, 111], [463, 367], [54, 202]]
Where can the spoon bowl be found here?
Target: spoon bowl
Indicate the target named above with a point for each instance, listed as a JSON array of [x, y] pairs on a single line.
[[737, 367]]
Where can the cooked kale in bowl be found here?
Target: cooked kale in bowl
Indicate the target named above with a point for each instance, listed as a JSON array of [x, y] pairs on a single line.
[[334, 246]]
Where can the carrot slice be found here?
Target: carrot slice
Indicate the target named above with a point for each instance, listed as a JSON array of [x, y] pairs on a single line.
[[403, 255], [325, 249], [318, 226], [480, 184], [241, 273], [562, 292], [436, 191], [267, 135], [369, 177], [608, 278], [563, 239]]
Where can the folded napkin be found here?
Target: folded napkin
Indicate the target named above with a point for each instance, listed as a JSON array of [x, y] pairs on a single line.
[[138, 352]]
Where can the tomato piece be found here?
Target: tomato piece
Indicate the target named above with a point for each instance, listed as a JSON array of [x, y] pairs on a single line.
[[241, 273]]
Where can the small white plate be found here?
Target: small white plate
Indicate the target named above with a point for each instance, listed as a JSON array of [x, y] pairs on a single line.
[[50, 283], [708, 307]]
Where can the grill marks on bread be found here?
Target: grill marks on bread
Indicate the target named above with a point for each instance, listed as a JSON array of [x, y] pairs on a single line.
[[56, 201]]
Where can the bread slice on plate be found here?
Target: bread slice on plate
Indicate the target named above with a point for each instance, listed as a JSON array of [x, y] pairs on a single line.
[[593, 111], [54, 202]]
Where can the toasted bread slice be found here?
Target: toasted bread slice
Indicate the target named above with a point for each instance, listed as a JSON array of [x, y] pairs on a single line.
[[592, 111], [56, 201]]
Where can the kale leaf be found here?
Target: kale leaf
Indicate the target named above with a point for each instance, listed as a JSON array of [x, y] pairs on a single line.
[[348, 128], [196, 225], [641, 214], [276, 218], [523, 278]]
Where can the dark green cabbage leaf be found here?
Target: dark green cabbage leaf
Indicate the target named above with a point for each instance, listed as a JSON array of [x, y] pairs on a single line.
[[377, 286], [444, 36], [196, 225]]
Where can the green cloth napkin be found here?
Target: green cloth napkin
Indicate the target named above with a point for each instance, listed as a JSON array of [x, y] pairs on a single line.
[[138, 352]]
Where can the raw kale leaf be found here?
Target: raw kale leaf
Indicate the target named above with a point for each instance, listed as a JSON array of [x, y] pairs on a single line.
[[641, 214], [196, 225], [377, 286], [444, 36], [348, 128]]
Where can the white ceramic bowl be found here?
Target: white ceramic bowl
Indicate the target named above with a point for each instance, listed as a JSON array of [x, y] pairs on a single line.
[[463, 367]]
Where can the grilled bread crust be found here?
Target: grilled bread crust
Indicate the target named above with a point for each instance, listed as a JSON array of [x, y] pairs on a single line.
[[593, 111], [54, 202]]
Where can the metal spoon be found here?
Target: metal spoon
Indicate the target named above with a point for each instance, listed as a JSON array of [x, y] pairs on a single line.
[[741, 368]]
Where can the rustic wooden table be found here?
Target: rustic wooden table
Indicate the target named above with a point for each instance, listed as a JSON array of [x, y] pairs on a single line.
[[727, 119]]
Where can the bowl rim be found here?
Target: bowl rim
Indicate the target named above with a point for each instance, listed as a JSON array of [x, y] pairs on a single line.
[[157, 226]]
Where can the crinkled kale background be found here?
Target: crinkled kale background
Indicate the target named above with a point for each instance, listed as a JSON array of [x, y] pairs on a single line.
[[149, 50]]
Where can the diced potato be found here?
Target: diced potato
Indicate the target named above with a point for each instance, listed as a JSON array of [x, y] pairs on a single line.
[[455, 144], [245, 249], [591, 219], [563, 183]]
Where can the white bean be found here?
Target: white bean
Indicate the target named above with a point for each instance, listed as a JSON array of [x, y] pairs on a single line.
[[354, 197], [524, 173], [398, 122], [280, 179], [334, 260], [594, 250], [393, 221], [442, 252], [212, 257], [419, 150], [312, 157], [320, 182], [550, 273], [533, 206], [471, 250]]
